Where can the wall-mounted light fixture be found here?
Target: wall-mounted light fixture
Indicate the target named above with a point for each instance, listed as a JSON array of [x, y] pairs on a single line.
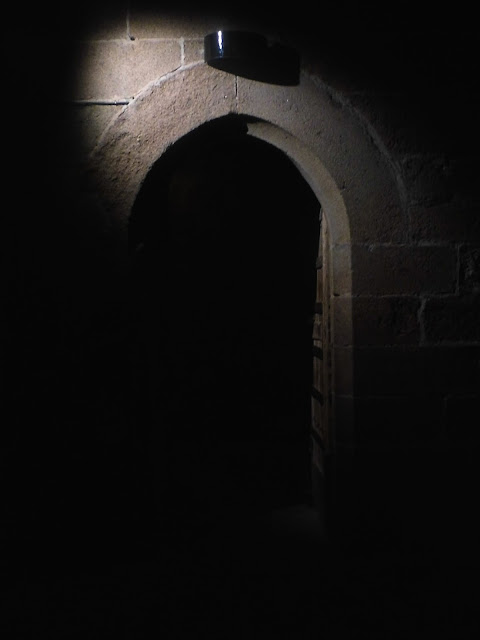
[[250, 55]]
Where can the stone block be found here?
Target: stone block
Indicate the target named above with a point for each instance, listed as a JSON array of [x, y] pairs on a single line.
[[394, 269], [427, 179], [452, 319], [342, 270], [113, 69], [150, 21], [193, 51], [341, 321], [376, 320], [449, 222]]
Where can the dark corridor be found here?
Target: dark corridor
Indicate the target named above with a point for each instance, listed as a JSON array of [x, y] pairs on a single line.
[[224, 238]]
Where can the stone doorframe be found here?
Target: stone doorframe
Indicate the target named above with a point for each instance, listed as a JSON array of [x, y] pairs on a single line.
[[334, 150]]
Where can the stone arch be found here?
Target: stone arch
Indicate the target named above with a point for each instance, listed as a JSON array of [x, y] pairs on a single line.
[[328, 143]]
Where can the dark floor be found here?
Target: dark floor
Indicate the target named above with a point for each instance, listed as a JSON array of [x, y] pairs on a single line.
[[273, 576]]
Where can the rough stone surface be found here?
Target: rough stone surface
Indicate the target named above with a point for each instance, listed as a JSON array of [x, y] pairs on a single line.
[[449, 222], [341, 259], [403, 269], [156, 22], [331, 130], [120, 69], [452, 319], [193, 51], [140, 134], [378, 320], [427, 179], [150, 20]]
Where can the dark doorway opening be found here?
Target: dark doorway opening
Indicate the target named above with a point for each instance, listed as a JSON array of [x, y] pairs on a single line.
[[224, 238]]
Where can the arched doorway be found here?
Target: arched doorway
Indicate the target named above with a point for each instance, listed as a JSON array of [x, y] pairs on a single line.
[[224, 240]]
